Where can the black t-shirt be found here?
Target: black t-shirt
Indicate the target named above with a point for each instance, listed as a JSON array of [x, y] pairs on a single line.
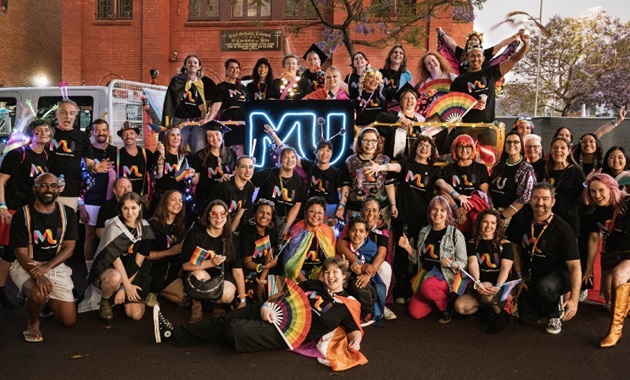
[[136, 168], [503, 188], [97, 194], [430, 251], [67, 150], [315, 80], [489, 258], [165, 237], [285, 193], [466, 179], [540, 169], [257, 91], [300, 88], [569, 186], [23, 165], [599, 220], [210, 174], [323, 183], [108, 210], [45, 230], [197, 236], [391, 83], [416, 183], [250, 239], [476, 84], [354, 83], [232, 98], [168, 181], [327, 314], [555, 246], [234, 197], [189, 103], [367, 106]]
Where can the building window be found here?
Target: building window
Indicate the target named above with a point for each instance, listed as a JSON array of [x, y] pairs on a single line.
[[251, 9], [114, 9], [299, 10], [396, 7], [203, 10]]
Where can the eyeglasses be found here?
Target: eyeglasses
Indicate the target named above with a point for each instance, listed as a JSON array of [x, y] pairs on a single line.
[[315, 213], [371, 141], [424, 146], [217, 214], [530, 147], [513, 142], [464, 147], [265, 202], [51, 186]]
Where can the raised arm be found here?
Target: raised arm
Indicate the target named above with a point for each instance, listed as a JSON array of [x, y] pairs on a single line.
[[509, 63], [608, 127]]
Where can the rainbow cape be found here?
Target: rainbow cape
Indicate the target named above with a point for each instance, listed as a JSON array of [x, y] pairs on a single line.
[[295, 250], [200, 254]]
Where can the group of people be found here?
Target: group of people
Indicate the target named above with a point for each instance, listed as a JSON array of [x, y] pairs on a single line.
[[194, 224]]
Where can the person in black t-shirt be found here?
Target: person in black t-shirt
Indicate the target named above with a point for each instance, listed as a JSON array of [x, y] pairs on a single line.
[[548, 256], [369, 101], [99, 191], [43, 236], [480, 82], [251, 329], [490, 259], [109, 209], [68, 149], [17, 175], [607, 210], [174, 171], [261, 86], [284, 187], [535, 155], [238, 191], [134, 162]]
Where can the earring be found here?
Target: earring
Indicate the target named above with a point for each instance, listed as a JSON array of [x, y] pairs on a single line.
[[252, 222]]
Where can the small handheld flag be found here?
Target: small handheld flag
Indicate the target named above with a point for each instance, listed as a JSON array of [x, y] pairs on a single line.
[[200, 255]]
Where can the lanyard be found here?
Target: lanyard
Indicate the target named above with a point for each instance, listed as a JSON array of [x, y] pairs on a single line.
[[535, 244]]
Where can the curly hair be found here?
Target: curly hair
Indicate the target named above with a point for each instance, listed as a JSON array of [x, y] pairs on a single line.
[[414, 148], [499, 233]]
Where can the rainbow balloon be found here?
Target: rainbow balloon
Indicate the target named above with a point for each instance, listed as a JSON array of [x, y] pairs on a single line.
[[291, 309], [451, 107]]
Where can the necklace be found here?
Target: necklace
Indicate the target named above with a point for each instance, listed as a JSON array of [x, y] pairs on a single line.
[[507, 162]]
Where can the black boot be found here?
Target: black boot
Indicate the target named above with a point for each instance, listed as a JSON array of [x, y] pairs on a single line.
[[497, 323], [5, 301]]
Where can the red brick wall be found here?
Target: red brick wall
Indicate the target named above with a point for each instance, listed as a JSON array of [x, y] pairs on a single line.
[[105, 50], [31, 42]]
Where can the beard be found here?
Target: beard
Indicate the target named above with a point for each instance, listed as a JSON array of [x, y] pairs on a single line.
[[47, 198]]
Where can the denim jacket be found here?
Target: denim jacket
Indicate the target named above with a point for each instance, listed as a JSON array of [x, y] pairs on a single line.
[[453, 245]]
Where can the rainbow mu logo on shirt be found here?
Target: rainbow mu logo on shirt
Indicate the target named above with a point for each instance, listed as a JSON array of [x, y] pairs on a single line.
[[131, 171], [170, 168], [212, 172], [63, 145], [414, 178], [36, 170], [464, 180], [477, 85], [317, 304], [46, 236], [430, 249], [234, 205], [318, 184], [284, 193], [488, 260]]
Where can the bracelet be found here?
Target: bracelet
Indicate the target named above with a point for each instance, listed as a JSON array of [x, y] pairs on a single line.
[[454, 193], [475, 285], [341, 205], [519, 275], [258, 280], [266, 305], [81, 203], [259, 268], [3, 204], [122, 288], [243, 300], [4, 207], [453, 207], [513, 208], [613, 123], [451, 264], [498, 285]]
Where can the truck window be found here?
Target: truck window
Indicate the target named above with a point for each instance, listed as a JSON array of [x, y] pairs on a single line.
[[86, 108], [7, 115]]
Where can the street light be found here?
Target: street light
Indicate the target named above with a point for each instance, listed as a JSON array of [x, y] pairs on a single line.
[[538, 62], [41, 80]]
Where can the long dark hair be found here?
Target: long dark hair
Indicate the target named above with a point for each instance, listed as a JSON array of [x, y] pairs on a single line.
[[161, 212], [269, 78], [597, 156], [499, 233], [388, 60], [499, 169], [133, 197], [605, 167], [227, 236], [550, 162]]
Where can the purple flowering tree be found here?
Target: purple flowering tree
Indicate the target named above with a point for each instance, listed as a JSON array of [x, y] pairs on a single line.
[[586, 60], [388, 20]]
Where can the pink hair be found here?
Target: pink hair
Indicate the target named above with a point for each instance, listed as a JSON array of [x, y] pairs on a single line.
[[441, 200], [616, 194], [462, 140]]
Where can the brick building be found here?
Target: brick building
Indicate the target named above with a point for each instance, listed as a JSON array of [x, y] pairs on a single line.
[[30, 32], [124, 39]]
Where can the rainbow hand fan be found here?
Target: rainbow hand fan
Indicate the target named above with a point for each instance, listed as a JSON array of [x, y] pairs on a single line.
[[291, 310], [437, 87], [452, 106]]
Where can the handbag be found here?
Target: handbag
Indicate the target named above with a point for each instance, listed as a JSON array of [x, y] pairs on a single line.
[[205, 290]]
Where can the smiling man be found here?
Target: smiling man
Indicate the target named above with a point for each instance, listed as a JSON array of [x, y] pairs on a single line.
[[548, 258], [43, 236]]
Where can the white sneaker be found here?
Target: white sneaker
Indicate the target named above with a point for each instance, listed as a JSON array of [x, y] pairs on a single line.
[[400, 300], [388, 314], [367, 323], [554, 326], [152, 300], [583, 295]]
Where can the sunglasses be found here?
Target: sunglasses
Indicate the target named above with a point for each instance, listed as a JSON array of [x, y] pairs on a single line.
[[264, 201], [217, 214]]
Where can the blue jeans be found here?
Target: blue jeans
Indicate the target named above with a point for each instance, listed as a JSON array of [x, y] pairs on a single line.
[[194, 136], [543, 296]]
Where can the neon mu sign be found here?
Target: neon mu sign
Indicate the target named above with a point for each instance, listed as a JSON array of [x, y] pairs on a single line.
[[301, 125]]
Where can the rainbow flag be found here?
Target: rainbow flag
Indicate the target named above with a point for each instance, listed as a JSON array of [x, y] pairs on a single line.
[[200, 254], [422, 274], [261, 245], [182, 170], [157, 128], [506, 289], [460, 283]]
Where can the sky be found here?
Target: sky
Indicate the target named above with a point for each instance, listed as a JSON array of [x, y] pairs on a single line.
[[494, 11]]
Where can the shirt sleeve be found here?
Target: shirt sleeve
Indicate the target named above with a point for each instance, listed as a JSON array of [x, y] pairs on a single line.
[[19, 234], [11, 162], [72, 231]]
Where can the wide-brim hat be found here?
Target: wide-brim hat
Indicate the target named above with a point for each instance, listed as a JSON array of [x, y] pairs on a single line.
[[127, 126]]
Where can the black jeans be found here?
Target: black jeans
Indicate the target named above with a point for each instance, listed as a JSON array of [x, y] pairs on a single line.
[[541, 300]]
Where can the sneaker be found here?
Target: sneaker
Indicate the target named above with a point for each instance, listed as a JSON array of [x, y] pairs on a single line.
[[367, 319], [106, 312], [561, 306], [554, 326], [445, 316], [400, 300], [388, 315], [162, 327], [152, 300], [583, 295], [196, 312]]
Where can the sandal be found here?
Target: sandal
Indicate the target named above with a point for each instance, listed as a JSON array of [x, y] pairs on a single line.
[[32, 337]]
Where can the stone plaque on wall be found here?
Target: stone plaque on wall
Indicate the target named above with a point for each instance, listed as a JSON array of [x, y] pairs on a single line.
[[251, 40]]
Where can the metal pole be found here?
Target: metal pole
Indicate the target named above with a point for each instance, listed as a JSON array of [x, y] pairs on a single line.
[[538, 63]]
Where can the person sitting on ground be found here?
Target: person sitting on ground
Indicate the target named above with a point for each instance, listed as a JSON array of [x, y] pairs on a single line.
[[120, 269], [43, 237], [334, 315], [490, 259]]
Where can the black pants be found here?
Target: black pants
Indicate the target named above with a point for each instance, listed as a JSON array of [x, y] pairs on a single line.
[[242, 330], [541, 300], [403, 269], [366, 295]]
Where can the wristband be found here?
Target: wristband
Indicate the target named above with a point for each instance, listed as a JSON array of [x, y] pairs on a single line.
[[341, 205], [81, 203], [259, 268], [513, 208], [453, 207], [122, 288], [4, 207], [243, 300], [265, 305], [519, 275], [498, 285], [454, 193], [3, 204], [613, 123]]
